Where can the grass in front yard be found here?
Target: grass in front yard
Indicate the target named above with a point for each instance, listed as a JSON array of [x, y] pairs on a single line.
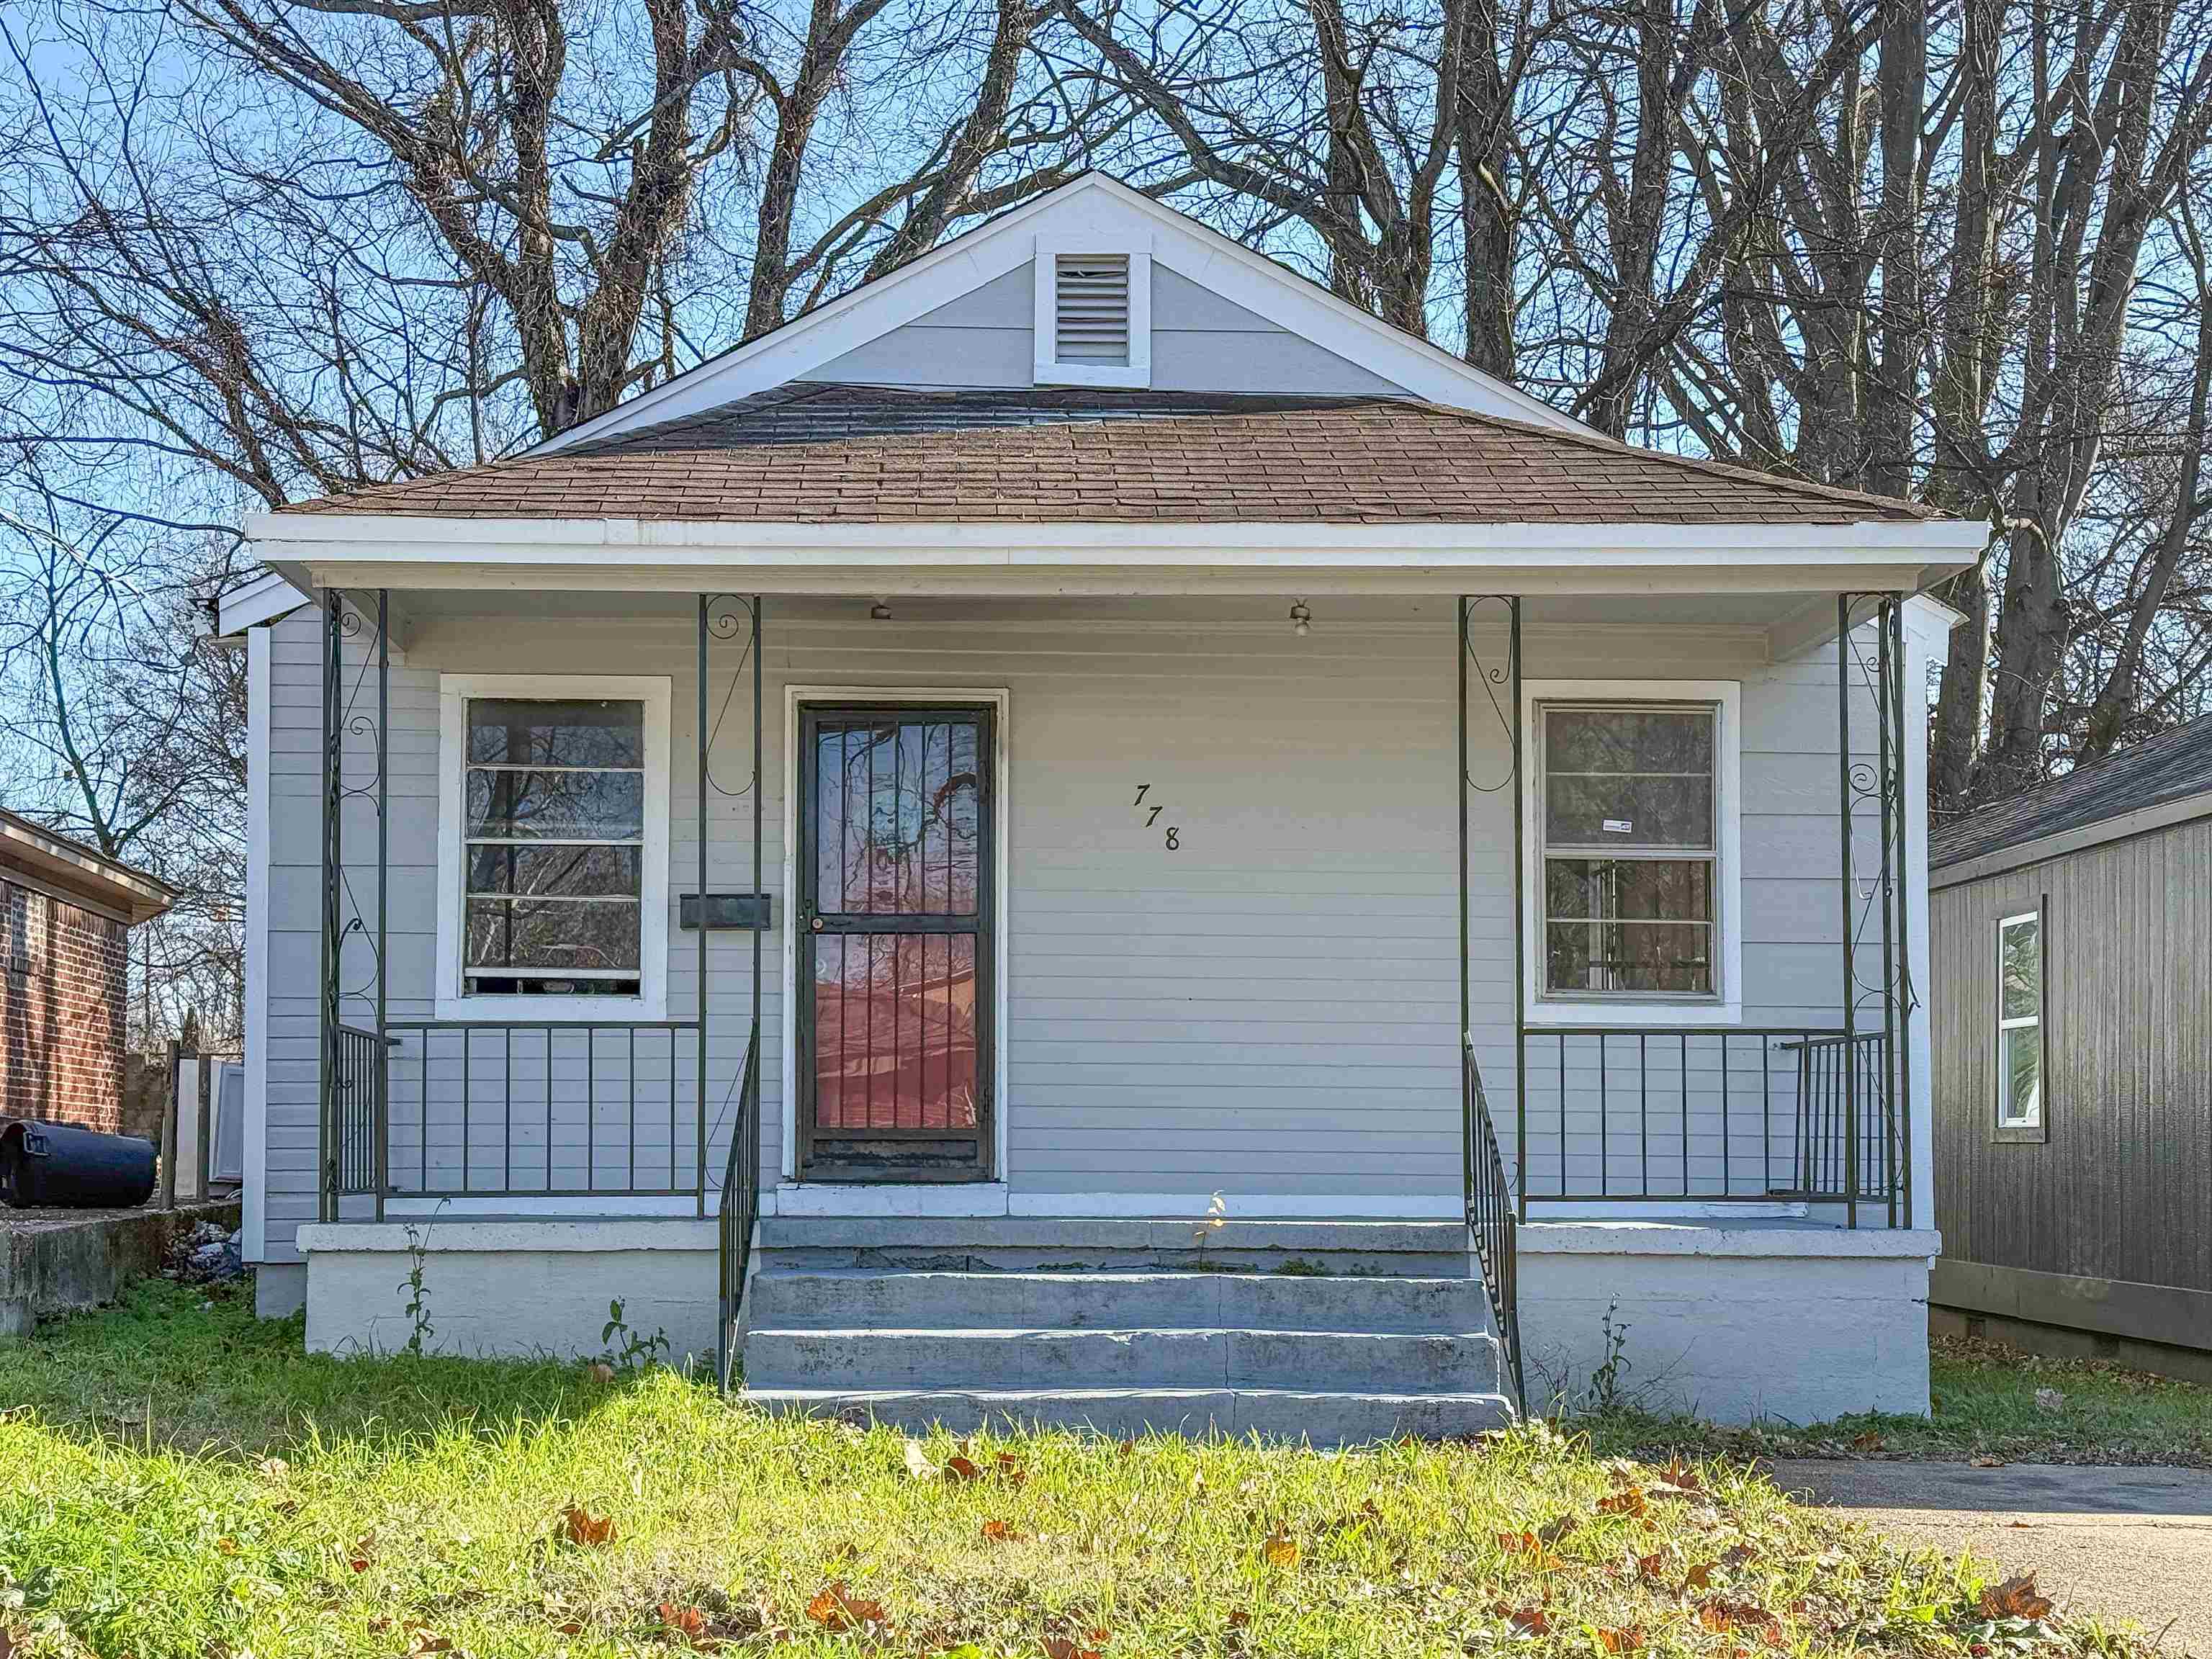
[[1989, 1402], [182, 1480]]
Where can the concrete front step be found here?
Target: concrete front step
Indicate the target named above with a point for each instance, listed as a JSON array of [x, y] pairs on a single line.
[[1059, 1359], [1322, 1417], [1030, 1243], [794, 1299]]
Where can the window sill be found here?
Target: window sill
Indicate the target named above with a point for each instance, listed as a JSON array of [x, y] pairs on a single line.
[[1631, 1015], [537, 1011], [2019, 1135]]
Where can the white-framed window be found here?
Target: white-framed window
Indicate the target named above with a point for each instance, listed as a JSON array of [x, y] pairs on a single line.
[[1094, 315], [1632, 838], [2019, 1053], [553, 846]]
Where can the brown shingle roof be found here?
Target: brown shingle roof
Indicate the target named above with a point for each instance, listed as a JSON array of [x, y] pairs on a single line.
[[817, 453]]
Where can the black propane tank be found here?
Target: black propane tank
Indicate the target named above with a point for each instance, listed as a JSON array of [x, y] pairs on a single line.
[[60, 1164]]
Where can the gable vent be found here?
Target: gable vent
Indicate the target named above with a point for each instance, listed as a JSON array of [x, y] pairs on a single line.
[[1090, 308]]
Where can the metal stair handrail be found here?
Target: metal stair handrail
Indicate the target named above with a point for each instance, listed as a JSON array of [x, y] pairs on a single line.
[[1491, 1220], [739, 1211]]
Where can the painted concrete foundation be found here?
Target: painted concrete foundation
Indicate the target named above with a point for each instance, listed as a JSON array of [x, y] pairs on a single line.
[[58, 1261], [280, 1289], [1733, 1322], [512, 1287]]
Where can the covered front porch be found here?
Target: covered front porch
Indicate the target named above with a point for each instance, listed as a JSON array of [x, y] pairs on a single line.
[[1191, 921]]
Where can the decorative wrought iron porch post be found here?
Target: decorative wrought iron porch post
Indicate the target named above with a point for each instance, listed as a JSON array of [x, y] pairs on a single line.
[[1846, 793], [699, 1078], [1509, 719]]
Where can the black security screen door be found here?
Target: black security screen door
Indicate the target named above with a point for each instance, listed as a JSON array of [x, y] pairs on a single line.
[[895, 857]]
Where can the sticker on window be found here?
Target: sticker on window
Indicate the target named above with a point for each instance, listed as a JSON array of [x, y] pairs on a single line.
[[1619, 826]]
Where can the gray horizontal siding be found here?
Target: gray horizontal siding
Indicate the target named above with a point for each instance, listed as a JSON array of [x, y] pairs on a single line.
[[1200, 343], [1270, 1008]]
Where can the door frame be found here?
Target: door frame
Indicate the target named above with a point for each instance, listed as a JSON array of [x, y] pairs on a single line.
[[999, 700]]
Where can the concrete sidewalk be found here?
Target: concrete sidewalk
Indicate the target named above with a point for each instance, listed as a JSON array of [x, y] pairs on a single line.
[[2115, 1543]]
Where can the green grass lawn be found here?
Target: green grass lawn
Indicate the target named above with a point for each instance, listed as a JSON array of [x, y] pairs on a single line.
[[181, 1479], [1988, 1402]]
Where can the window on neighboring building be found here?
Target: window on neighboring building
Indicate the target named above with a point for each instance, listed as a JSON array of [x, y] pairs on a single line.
[[2019, 1022], [1628, 826], [557, 822]]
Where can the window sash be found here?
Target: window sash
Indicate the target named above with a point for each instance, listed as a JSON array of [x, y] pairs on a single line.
[[625, 981], [1626, 850], [2009, 1115]]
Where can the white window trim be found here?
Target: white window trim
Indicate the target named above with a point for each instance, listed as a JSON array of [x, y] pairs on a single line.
[[1002, 701], [1048, 370], [2002, 1079], [651, 1003], [1725, 1008]]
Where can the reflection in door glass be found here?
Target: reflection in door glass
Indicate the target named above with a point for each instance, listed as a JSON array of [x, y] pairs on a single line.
[[897, 805], [895, 1031]]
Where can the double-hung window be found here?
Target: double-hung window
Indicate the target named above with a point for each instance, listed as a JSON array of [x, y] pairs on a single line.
[[1632, 848], [553, 885], [2019, 1050]]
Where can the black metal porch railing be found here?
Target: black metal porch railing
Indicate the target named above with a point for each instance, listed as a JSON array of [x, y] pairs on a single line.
[[739, 1210], [353, 1138], [1834, 1165], [543, 1108], [1490, 1218], [1721, 1116]]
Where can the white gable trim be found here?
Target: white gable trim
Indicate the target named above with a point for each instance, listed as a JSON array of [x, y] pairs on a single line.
[[264, 599], [1098, 212]]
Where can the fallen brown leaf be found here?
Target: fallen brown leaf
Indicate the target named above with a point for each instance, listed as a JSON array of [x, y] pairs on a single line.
[[998, 1532], [2015, 1598], [584, 1528], [1061, 1647], [1725, 1616], [1280, 1549], [1629, 1501], [1698, 1577], [1530, 1621], [836, 1608], [962, 1468], [688, 1622], [1626, 1640]]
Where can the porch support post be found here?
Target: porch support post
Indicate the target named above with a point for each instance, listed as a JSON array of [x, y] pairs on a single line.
[[699, 1071], [1520, 932], [759, 774], [1844, 836], [326, 1092], [380, 1085], [1899, 805], [1889, 738]]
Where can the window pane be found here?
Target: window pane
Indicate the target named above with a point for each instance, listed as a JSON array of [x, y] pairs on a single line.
[[1669, 958], [2021, 1050], [556, 935], [1628, 777], [567, 806], [2020, 970], [555, 732], [895, 1032], [1677, 740], [1633, 889], [899, 812], [539, 872]]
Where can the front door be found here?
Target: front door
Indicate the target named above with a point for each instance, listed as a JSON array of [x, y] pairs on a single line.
[[895, 855]]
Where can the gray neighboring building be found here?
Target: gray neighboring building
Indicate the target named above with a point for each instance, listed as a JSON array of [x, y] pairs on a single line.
[[2072, 1000]]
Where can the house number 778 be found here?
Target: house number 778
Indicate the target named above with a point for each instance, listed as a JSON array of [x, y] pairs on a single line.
[[1174, 843]]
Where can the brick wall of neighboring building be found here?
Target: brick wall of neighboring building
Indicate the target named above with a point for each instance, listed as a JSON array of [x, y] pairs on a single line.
[[62, 983]]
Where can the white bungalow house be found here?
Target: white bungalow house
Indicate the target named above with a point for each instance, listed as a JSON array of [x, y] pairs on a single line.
[[1174, 774]]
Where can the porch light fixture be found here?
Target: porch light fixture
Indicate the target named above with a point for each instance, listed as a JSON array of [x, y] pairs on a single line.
[[880, 610], [1301, 618]]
